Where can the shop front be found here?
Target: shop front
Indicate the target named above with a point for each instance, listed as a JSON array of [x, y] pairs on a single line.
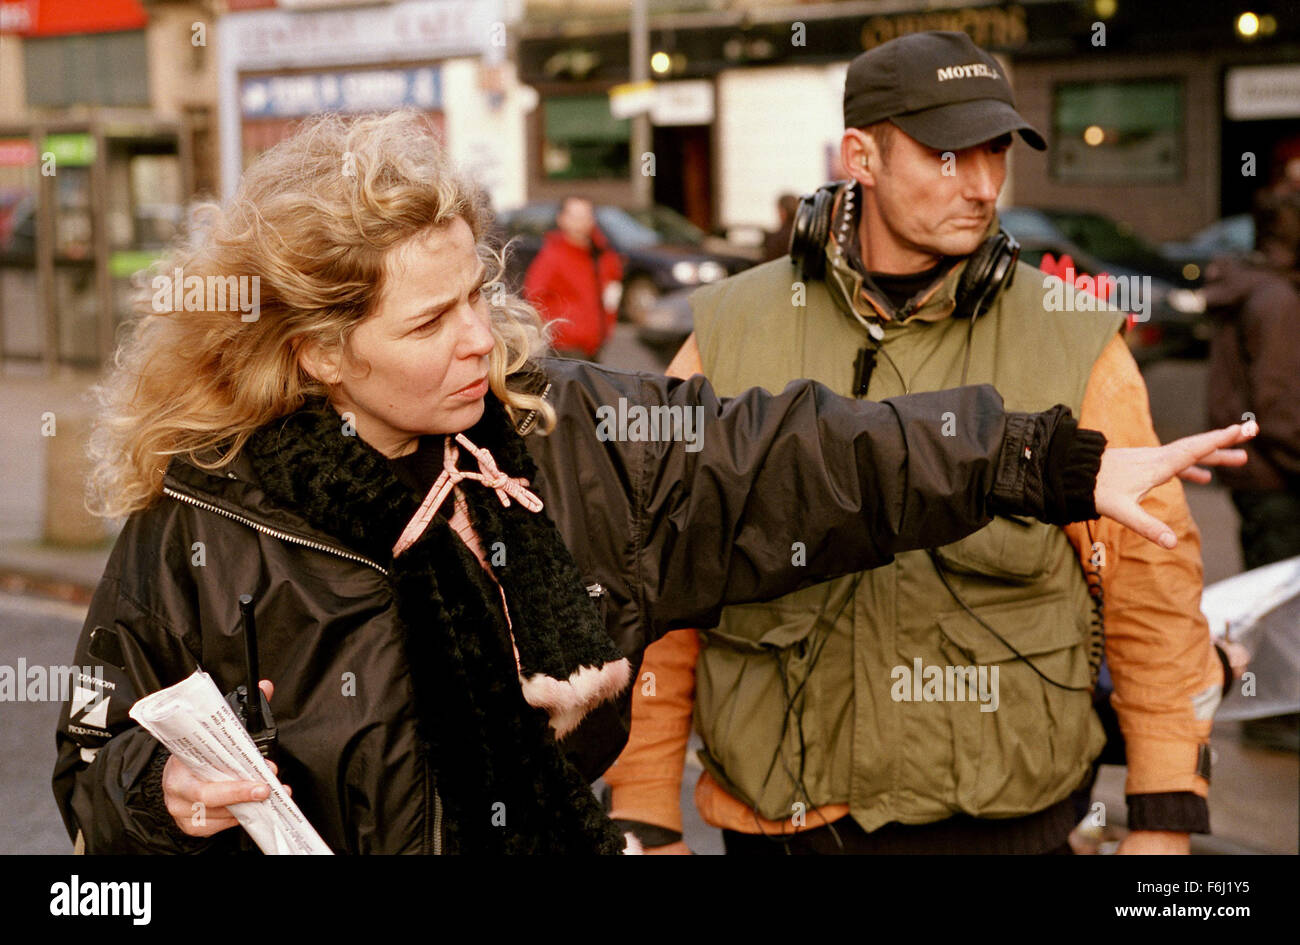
[[1164, 116], [84, 206]]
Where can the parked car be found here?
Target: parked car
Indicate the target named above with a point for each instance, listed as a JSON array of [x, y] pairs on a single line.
[[1234, 234], [1111, 241], [662, 251], [1178, 326], [667, 324]]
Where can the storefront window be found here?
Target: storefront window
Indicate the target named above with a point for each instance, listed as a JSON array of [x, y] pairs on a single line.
[[582, 140], [143, 215], [72, 226], [1118, 132], [95, 208]]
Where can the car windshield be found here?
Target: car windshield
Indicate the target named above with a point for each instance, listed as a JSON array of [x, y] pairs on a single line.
[[636, 229], [534, 219], [1027, 224], [1108, 240], [1230, 233]]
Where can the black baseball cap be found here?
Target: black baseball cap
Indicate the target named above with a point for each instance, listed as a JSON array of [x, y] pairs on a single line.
[[939, 87]]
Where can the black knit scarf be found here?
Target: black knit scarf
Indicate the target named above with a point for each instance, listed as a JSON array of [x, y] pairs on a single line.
[[487, 744]]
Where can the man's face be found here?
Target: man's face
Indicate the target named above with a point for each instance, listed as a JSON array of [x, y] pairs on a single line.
[[936, 205], [419, 361], [576, 220]]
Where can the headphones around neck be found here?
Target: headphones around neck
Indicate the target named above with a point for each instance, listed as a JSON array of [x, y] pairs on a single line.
[[989, 270]]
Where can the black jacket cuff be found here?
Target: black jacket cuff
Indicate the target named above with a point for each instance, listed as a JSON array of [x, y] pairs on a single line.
[[650, 835], [1047, 468], [1176, 811], [1073, 461], [155, 805]]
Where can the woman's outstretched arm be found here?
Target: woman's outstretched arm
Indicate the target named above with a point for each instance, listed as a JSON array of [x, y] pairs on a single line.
[[709, 501]]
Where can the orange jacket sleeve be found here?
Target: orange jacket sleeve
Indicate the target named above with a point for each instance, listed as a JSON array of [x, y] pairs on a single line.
[[646, 780], [1166, 674]]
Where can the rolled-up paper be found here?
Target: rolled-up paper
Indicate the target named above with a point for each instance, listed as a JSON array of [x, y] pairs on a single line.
[[198, 726]]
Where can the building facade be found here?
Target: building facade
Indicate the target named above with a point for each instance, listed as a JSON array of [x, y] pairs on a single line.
[[102, 112], [449, 59], [1163, 115]]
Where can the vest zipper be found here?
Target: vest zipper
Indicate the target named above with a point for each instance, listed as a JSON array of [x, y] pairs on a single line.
[[273, 532]]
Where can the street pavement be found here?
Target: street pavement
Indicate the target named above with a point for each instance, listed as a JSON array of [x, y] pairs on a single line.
[[42, 632], [44, 591]]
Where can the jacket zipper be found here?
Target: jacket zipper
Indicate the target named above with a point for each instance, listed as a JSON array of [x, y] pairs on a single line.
[[433, 822], [319, 546], [437, 821], [273, 532]]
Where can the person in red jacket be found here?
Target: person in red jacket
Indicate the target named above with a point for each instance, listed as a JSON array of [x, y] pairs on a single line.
[[576, 281]]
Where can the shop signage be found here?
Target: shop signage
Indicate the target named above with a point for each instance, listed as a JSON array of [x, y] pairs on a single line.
[[17, 152], [70, 150], [1258, 92], [288, 96], [52, 18], [631, 99], [683, 103], [412, 30], [989, 27]]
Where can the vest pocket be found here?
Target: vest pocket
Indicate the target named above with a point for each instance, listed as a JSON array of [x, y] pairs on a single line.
[[1021, 742], [773, 701], [1011, 550]]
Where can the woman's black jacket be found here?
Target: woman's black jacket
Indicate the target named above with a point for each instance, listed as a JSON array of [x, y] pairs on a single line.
[[769, 494]]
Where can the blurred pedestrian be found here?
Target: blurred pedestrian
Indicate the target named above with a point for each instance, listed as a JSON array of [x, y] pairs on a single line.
[[1254, 368], [576, 281]]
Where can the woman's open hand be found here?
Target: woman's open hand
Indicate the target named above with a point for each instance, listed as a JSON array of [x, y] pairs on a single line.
[[201, 808], [1126, 475]]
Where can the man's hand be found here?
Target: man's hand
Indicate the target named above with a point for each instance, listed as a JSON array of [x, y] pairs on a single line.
[[1161, 842], [1126, 475], [1238, 656]]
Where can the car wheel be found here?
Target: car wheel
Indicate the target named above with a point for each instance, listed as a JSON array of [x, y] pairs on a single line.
[[639, 296]]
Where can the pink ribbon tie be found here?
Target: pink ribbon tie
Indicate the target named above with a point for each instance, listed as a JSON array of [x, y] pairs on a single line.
[[506, 487]]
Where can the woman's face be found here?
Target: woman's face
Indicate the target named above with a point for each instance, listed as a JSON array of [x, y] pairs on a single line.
[[419, 361]]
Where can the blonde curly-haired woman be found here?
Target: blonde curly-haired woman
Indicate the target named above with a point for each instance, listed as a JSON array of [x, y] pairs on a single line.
[[457, 548]]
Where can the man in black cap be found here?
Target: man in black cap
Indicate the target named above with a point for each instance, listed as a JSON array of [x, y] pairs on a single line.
[[941, 703]]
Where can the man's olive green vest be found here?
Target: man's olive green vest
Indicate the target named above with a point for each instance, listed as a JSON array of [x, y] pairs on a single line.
[[829, 695]]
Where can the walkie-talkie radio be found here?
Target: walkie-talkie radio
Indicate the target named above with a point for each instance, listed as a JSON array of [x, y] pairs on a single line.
[[253, 711]]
